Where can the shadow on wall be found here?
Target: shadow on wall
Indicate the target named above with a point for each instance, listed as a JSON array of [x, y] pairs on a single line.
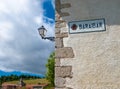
[[91, 9]]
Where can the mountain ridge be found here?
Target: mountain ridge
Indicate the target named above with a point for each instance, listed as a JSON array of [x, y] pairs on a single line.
[[18, 73]]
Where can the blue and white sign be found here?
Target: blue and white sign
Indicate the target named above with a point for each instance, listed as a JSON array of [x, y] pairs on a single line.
[[87, 26]]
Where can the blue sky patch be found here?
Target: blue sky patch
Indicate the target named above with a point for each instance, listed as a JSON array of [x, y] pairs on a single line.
[[49, 9]]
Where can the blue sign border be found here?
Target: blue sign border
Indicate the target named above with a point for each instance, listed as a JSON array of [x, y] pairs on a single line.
[[88, 31]]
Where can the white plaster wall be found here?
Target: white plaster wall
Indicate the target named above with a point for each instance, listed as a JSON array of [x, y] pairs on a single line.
[[97, 54]]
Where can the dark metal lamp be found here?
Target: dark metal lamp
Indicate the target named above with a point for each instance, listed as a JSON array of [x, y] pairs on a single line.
[[42, 31]]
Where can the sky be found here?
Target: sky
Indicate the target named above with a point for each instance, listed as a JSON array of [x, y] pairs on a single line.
[[21, 47]]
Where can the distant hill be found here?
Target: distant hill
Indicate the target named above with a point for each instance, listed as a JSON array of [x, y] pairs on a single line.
[[18, 73]]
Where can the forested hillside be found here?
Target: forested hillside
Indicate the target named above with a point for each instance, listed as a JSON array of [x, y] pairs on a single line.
[[16, 77]]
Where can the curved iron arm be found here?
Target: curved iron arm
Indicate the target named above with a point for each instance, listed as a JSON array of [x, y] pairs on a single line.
[[49, 38]]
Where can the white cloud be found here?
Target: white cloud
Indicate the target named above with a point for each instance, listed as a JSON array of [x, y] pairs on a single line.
[[5, 31], [14, 6], [38, 20], [5, 69], [21, 47]]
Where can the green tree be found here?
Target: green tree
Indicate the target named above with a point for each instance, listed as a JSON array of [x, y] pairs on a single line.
[[50, 68]]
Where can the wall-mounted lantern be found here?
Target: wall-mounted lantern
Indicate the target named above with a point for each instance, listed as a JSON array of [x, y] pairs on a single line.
[[42, 31]]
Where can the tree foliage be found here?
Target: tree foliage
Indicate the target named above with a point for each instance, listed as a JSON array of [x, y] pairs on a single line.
[[16, 77], [50, 68]]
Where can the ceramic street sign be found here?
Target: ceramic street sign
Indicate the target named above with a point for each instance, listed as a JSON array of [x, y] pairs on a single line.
[[87, 26]]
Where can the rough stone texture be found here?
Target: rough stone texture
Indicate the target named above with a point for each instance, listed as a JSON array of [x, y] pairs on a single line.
[[64, 88], [57, 62], [60, 82], [60, 24], [61, 52], [97, 56], [65, 14], [66, 5], [57, 31], [58, 5], [58, 42], [61, 35], [63, 71], [57, 16], [64, 29], [69, 88], [65, 52]]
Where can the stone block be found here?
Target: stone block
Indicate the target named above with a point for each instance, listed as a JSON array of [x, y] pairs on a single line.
[[60, 88], [57, 17], [60, 24], [57, 31], [65, 52], [60, 82], [66, 5], [61, 35], [69, 88], [64, 30], [64, 14], [57, 62], [58, 5], [58, 42], [63, 71]]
